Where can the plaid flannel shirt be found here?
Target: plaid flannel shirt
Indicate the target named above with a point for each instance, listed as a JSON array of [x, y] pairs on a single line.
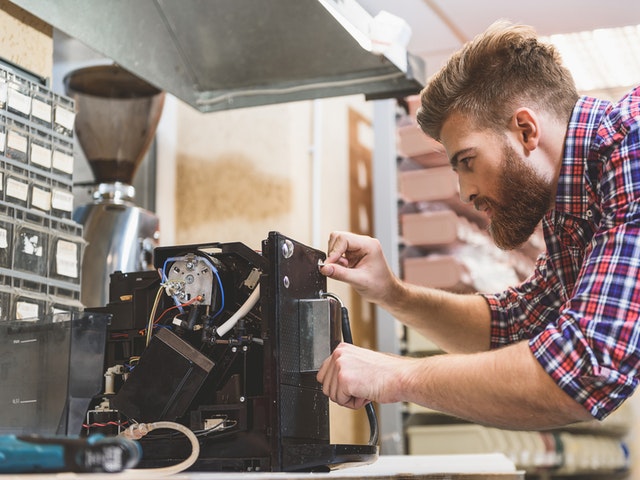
[[580, 309]]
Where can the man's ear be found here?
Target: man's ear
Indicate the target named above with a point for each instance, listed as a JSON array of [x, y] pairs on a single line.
[[526, 126]]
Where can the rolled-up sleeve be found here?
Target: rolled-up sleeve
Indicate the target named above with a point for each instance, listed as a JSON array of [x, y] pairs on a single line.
[[592, 350]]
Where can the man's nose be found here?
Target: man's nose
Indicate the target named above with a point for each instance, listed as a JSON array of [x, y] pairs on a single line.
[[468, 191]]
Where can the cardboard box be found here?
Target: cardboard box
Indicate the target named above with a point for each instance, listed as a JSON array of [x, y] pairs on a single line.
[[437, 271], [412, 141], [430, 229], [430, 184]]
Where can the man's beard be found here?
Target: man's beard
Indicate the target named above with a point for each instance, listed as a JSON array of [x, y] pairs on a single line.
[[524, 198]]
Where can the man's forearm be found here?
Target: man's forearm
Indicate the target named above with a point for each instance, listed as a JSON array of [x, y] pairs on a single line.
[[456, 323], [505, 388]]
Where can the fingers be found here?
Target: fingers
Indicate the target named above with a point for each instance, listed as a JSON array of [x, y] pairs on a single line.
[[337, 249], [335, 271], [346, 248], [335, 383], [338, 246]]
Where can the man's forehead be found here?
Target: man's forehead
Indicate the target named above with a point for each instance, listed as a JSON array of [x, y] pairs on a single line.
[[456, 129]]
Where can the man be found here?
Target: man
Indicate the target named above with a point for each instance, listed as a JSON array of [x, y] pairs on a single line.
[[564, 346]]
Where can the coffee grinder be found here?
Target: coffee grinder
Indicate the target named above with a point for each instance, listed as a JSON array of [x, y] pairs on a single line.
[[117, 116]]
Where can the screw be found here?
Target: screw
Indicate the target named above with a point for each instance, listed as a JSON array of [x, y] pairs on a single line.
[[287, 249], [285, 282]]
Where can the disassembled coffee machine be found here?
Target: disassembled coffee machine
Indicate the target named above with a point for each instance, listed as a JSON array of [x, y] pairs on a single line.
[[226, 341]]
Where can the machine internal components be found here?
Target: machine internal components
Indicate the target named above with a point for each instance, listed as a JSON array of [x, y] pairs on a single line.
[[229, 346], [188, 278]]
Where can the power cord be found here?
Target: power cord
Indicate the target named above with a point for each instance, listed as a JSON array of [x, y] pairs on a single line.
[[348, 338]]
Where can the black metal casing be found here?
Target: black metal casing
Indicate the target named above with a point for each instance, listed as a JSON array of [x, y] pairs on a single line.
[[259, 377]]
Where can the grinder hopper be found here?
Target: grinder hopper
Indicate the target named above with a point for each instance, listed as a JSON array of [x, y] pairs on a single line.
[[116, 119]]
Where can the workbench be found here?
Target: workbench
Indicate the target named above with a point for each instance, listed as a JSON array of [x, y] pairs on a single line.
[[387, 467]]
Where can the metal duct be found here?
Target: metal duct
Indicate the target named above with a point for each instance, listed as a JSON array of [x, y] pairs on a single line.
[[224, 54]]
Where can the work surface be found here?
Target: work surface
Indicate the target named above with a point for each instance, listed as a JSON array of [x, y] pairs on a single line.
[[440, 467]]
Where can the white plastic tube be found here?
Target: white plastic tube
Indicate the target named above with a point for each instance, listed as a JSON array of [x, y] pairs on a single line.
[[246, 307], [139, 430]]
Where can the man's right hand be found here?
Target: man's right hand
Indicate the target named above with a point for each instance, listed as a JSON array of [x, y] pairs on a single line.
[[358, 260]]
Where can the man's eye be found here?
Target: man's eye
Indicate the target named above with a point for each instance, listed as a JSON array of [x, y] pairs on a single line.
[[465, 162]]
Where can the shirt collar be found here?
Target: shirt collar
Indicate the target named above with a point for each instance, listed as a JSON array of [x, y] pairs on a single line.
[[572, 195]]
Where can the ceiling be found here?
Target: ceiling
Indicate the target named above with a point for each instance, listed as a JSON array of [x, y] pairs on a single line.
[[439, 27]]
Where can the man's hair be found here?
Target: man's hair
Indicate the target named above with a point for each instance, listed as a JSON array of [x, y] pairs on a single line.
[[500, 70]]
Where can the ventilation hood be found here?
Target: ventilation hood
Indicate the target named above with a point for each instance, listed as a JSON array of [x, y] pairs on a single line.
[[223, 54]]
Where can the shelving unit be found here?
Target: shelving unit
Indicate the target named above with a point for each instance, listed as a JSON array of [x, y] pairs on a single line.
[[41, 247]]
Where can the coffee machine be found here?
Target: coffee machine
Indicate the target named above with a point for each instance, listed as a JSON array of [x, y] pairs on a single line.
[[117, 116]]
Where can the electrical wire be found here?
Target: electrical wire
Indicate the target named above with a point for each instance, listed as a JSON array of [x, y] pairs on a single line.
[[87, 426], [164, 278], [215, 272], [139, 430], [152, 315], [223, 427], [185, 304], [348, 338]]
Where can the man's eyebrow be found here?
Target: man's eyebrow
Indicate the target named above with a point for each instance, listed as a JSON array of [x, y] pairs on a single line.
[[456, 157]]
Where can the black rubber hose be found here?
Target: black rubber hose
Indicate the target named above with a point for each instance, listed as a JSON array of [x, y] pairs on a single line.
[[348, 338], [371, 412]]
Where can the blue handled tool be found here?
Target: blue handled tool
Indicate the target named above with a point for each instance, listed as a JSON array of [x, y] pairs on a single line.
[[96, 453]]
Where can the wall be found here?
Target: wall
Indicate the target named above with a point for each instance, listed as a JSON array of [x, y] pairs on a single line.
[[238, 174], [242, 173], [25, 40]]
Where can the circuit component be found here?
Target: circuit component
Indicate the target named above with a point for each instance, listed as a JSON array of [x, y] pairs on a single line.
[[190, 277]]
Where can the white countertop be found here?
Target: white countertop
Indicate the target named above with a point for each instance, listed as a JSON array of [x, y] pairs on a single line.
[[450, 467]]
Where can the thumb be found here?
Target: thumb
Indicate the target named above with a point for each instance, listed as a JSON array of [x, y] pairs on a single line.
[[336, 271]]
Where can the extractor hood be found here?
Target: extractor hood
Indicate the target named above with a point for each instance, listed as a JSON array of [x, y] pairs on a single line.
[[223, 54]]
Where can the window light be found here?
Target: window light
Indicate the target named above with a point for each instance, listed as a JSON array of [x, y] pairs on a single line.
[[602, 58]]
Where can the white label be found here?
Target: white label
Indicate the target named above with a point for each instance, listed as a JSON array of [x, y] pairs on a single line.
[[3, 91], [41, 110], [31, 244], [3, 139], [64, 117], [19, 102], [40, 155], [4, 243], [17, 142], [63, 162], [26, 310], [41, 199], [62, 200], [17, 189], [67, 259], [1, 181]]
